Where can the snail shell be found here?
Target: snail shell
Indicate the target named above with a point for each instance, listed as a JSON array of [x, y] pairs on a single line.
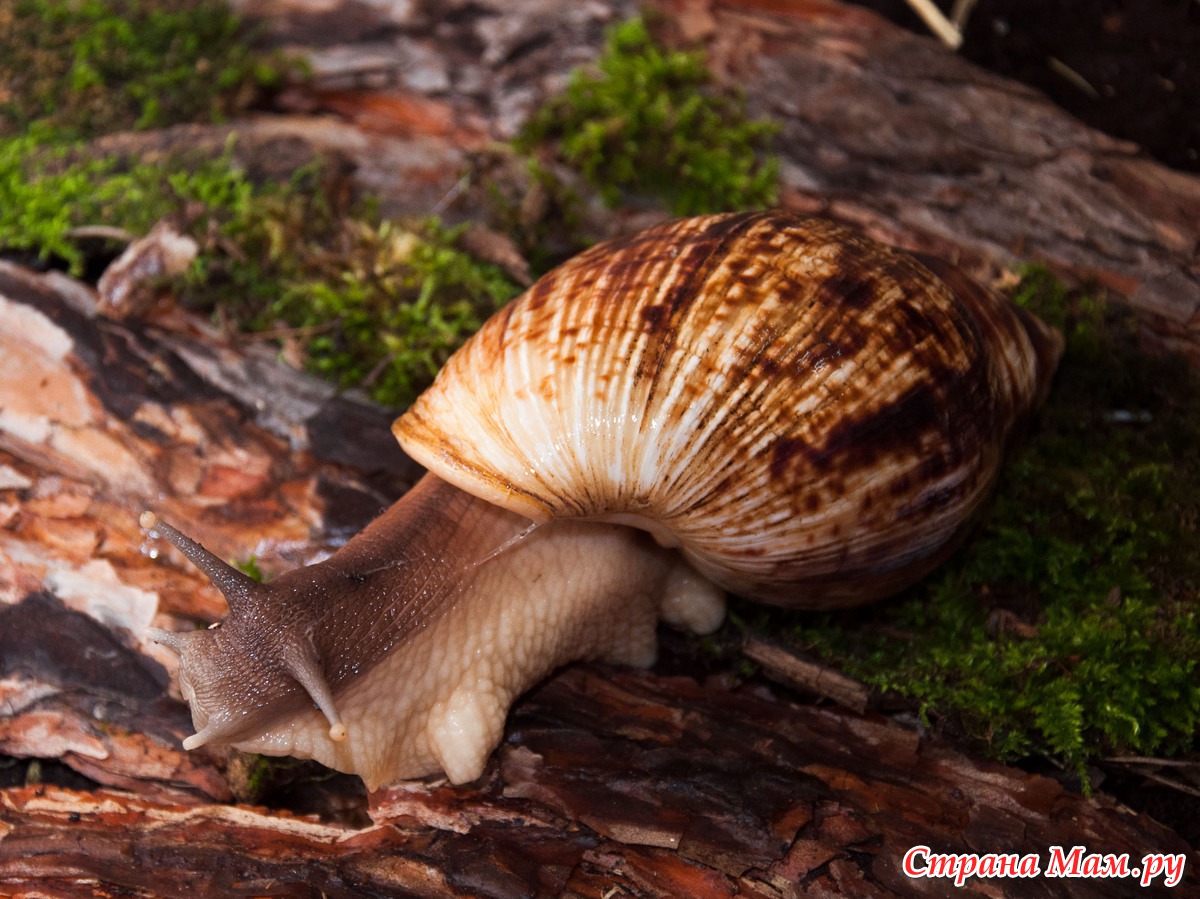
[[810, 417], [806, 416]]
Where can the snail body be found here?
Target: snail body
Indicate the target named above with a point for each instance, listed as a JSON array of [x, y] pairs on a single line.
[[756, 403]]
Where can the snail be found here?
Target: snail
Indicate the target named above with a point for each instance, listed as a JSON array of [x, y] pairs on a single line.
[[757, 403]]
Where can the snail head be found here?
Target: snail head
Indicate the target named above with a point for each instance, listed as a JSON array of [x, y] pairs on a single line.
[[250, 669]]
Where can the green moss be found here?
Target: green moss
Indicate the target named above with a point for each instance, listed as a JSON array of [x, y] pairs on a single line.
[[381, 306], [89, 67], [387, 305], [1070, 625], [250, 567], [368, 303], [49, 191], [648, 121], [74, 70]]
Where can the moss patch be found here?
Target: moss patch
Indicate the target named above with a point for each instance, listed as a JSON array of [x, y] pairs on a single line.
[[88, 67], [383, 306], [1070, 625], [648, 121], [368, 303], [52, 189]]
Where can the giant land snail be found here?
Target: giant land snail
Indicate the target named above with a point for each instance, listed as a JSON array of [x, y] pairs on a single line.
[[757, 403]]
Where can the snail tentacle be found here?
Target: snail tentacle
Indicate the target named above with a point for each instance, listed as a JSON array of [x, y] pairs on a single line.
[[236, 586], [300, 660]]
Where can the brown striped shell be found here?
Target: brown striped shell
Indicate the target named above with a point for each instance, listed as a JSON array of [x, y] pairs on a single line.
[[809, 416]]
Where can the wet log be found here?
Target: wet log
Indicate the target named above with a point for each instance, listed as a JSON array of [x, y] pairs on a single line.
[[656, 786], [607, 780]]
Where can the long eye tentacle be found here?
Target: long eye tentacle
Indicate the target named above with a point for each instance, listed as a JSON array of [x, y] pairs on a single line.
[[236, 587]]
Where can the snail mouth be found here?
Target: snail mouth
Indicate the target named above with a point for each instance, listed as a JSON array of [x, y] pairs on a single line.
[[208, 730], [216, 728]]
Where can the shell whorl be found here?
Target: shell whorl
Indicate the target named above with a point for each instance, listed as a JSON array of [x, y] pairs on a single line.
[[810, 416]]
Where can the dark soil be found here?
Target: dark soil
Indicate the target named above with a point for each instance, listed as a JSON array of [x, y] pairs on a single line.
[[1130, 68]]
